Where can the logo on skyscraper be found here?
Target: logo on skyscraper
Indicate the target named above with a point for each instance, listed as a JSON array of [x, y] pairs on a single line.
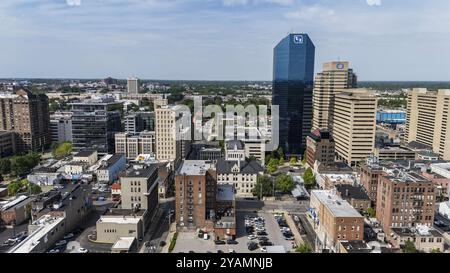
[[298, 39], [340, 66]]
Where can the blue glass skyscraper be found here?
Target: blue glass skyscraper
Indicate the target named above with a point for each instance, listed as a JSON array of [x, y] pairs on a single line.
[[293, 78]]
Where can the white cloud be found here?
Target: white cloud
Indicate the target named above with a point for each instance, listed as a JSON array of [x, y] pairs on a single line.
[[312, 12], [231, 3], [374, 2], [73, 2]]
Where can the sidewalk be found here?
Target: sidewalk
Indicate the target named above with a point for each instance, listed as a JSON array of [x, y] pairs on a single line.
[[173, 230]]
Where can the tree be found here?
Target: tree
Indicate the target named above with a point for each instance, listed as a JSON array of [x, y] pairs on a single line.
[[263, 186], [371, 212], [281, 162], [437, 250], [273, 165], [35, 189], [13, 188], [62, 150], [293, 161], [252, 158], [304, 248], [5, 166], [21, 165], [304, 158], [410, 247], [308, 178], [285, 183]]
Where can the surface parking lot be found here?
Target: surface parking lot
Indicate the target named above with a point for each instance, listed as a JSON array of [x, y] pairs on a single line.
[[188, 241]]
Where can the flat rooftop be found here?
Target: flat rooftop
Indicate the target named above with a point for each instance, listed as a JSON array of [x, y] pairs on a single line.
[[225, 193], [123, 243], [46, 224], [84, 153], [194, 167], [337, 206]]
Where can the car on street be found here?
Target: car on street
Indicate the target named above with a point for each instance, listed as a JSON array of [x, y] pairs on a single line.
[[54, 251], [265, 243], [439, 223], [83, 250], [232, 242], [162, 243], [61, 243], [231, 251], [252, 246], [261, 233], [219, 242], [69, 236], [252, 237]]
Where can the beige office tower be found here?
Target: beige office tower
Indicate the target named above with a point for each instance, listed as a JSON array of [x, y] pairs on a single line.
[[354, 125], [172, 140], [427, 120], [335, 78], [133, 85]]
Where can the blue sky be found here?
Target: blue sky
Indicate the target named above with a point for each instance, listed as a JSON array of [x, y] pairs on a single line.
[[220, 39]]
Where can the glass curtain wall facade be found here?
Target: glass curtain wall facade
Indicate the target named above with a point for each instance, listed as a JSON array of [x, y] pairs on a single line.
[[293, 79]]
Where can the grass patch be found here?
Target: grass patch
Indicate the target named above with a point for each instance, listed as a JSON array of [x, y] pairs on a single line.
[[173, 242]]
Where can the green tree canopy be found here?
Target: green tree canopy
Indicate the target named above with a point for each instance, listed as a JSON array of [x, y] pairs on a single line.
[[263, 186], [285, 183], [21, 165], [304, 248], [371, 212], [293, 161], [309, 178], [5, 166], [273, 165], [62, 150], [410, 247]]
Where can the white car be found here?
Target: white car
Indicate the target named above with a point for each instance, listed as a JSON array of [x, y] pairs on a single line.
[[231, 251], [83, 250], [54, 251], [252, 237], [263, 249]]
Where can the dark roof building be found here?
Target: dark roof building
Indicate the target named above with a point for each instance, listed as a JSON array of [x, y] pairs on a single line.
[[251, 167]]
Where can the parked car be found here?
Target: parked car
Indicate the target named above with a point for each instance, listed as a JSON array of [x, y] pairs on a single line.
[[261, 233], [263, 249], [69, 236], [162, 243], [219, 242], [54, 251], [252, 246], [231, 251], [61, 243], [232, 242], [83, 250], [252, 237], [265, 243]]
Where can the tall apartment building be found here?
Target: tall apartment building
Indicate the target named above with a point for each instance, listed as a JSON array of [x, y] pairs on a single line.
[[320, 147], [427, 120], [371, 174], [336, 219], [94, 124], [133, 85], [27, 115], [293, 77], [61, 127], [7, 143], [139, 189], [195, 188], [354, 125], [405, 200], [132, 145], [139, 121], [334, 78], [172, 138]]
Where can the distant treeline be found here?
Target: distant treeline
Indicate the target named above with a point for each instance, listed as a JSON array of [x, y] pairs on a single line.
[[402, 85]]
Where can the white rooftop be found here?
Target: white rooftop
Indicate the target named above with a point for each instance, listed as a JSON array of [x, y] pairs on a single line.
[[119, 219], [45, 225], [337, 206], [124, 243], [194, 167]]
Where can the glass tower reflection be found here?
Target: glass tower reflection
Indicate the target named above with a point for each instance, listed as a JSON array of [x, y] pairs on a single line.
[[293, 77]]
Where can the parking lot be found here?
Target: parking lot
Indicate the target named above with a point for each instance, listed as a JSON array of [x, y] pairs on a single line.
[[189, 241]]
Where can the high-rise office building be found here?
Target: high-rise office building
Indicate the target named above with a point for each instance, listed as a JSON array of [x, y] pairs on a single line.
[[132, 145], [354, 125], [61, 127], [94, 124], [427, 120], [293, 76], [133, 85], [335, 78], [321, 148], [139, 122], [172, 139], [27, 115]]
